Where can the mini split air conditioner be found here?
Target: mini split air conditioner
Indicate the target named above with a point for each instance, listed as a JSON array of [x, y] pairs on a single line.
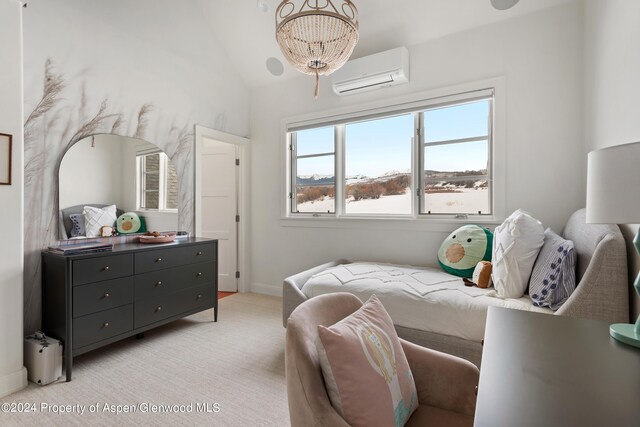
[[377, 71]]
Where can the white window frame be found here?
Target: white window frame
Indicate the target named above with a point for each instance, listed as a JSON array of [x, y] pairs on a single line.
[[422, 145], [414, 103], [162, 181], [293, 185]]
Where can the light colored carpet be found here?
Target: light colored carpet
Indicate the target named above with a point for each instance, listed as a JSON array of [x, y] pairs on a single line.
[[237, 363]]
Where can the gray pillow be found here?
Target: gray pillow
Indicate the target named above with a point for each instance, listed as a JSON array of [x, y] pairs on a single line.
[[553, 278], [77, 225]]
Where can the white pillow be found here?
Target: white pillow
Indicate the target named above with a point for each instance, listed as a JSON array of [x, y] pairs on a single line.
[[96, 218], [516, 244]]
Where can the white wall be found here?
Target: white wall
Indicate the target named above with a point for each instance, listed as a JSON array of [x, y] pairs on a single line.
[[539, 55], [13, 376], [612, 86]]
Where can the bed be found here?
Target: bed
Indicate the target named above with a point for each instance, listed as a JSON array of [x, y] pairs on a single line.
[[434, 309]]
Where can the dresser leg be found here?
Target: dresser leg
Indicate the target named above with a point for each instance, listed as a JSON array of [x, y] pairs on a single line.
[[215, 314], [67, 366], [140, 336]]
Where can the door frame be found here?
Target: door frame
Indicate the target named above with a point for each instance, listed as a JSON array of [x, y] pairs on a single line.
[[243, 146]]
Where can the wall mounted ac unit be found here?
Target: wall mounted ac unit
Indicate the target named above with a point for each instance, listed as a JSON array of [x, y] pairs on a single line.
[[372, 72]]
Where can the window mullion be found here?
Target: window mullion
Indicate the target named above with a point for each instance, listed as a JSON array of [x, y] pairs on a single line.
[[162, 179], [310, 156], [456, 141], [490, 158], [293, 203], [420, 184], [141, 189], [340, 189]]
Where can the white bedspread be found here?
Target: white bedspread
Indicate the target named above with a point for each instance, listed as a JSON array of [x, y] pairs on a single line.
[[427, 299]]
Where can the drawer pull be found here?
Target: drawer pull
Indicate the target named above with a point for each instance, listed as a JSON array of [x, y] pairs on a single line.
[[106, 268], [199, 253], [105, 296], [159, 284], [158, 308], [159, 260], [105, 325], [199, 275], [199, 297]]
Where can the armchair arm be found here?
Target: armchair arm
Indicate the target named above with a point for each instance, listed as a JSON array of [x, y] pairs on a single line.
[[442, 380]]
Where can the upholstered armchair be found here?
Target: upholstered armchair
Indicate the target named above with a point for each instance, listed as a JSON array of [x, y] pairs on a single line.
[[446, 384]]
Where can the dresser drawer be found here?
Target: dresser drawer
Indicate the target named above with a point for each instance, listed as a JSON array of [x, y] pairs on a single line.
[[100, 326], [167, 281], [102, 268], [95, 297], [162, 307], [174, 256]]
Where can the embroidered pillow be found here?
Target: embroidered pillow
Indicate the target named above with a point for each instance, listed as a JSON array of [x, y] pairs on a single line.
[[365, 369], [516, 244], [95, 218], [463, 249], [77, 225], [554, 274]]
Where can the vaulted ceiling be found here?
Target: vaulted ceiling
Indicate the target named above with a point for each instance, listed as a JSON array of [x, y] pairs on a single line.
[[248, 35]]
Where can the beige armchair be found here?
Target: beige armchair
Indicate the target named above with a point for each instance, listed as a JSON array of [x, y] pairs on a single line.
[[446, 384]]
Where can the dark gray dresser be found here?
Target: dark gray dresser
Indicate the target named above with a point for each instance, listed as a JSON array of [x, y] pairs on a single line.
[[92, 300]]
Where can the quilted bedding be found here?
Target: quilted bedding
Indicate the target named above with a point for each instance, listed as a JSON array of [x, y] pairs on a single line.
[[421, 298]]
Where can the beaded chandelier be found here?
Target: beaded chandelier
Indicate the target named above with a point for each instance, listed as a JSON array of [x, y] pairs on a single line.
[[317, 36]]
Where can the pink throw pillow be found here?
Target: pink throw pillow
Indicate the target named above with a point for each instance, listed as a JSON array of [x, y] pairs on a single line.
[[365, 369]]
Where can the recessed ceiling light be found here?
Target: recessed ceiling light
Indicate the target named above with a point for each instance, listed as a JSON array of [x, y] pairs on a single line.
[[263, 6], [504, 4], [274, 66]]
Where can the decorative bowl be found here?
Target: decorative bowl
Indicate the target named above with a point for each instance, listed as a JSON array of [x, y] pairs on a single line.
[[163, 238]]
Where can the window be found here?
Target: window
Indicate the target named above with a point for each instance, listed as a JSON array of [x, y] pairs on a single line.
[[378, 166], [157, 182], [455, 155], [427, 159], [313, 167]]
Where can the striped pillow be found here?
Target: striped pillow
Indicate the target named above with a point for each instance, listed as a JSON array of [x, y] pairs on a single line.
[[553, 279]]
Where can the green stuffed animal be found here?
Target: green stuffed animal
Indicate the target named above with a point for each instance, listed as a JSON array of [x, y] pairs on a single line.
[[129, 223], [464, 248]]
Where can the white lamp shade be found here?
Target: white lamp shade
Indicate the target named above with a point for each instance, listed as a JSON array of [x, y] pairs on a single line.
[[613, 185]]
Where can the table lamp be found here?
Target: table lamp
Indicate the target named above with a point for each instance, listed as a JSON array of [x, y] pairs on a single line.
[[613, 196]]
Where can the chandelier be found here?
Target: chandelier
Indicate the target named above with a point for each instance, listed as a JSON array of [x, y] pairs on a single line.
[[317, 36]]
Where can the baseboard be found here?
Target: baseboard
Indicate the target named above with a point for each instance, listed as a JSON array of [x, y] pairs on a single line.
[[263, 288], [13, 382]]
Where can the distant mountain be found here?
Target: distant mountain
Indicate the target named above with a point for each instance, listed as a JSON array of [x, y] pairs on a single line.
[[323, 180], [446, 174], [315, 180]]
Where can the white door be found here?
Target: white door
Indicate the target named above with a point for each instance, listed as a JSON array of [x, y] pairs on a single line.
[[218, 182]]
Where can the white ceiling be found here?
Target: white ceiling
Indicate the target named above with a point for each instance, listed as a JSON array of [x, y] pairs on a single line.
[[248, 34]]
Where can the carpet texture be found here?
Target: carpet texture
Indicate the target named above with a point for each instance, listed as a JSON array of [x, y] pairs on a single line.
[[233, 368]]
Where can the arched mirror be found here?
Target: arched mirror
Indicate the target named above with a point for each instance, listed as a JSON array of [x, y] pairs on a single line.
[[115, 185]]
